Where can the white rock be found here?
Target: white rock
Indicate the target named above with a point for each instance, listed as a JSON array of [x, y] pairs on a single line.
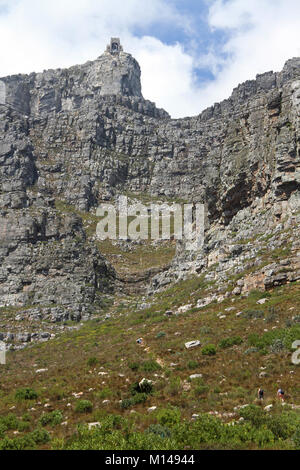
[[152, 408], [262, 301], [192, 344], [268, 407], [196, 376], [184, 308], [94, 425]]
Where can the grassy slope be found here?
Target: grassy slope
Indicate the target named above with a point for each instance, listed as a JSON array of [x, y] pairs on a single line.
[[230, 378]]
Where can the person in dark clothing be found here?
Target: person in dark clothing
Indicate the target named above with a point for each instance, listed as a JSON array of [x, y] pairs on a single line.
[[260, 394], [280, 394]]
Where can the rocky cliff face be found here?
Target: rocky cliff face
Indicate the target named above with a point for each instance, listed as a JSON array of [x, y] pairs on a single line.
[[72, 138]]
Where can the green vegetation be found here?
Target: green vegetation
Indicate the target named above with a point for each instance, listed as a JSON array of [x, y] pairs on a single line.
[[103, 364], [209, 350], [84, 406], [53, 418], [26, 394]]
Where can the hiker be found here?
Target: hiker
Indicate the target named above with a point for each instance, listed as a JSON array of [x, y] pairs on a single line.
[[280, 394], [260, 394]]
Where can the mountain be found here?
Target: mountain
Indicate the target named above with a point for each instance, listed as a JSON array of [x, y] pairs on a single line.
[[73, 139]]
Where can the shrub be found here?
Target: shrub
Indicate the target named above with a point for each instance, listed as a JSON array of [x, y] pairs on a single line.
[[174, 386], [150, 366], [209, 350], [141, 387], [26, 394], [205, 330], [161, 334], [134, 366], [53, 418], [162, 431], [193, 364], [254, 414], [126, 403], [296, 437], [40, 436], [277, 346], [135, 400], [286, 335], [229, 342], [23, 426], [146, 387], [253, 314], [9, 421], [284, 425], [92, 361], [104, 393], [84, 406], [29, 441], [201, 390], [169, 416]]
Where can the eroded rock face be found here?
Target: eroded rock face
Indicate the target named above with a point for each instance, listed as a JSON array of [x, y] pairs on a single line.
[[86, 134]]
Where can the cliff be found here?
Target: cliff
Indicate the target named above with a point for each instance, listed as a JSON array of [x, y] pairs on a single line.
[[72, 138]]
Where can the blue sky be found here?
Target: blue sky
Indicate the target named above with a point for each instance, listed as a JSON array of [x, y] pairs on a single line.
[[192, 52]]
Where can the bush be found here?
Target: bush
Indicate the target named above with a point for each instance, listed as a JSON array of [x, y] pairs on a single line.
[[201, 390], [254, 414], [26, 394], [126, 403], [104, 393], [193, 364], [92, 361], [29, 441], [174, 386], [9, 421], [23, 426], [141, 387], [169, 416], [53, 418], [283, 425], [134, 366], [135, 400], [162, 431], [209, 350], [40, 436], [229, 342], [150, 366], [253, 314], [296, 438], [161, 334], [84, 406], [286, 335], [277, 346]]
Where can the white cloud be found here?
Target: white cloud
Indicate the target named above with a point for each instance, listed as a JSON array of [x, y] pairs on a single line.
[[262, 35]]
